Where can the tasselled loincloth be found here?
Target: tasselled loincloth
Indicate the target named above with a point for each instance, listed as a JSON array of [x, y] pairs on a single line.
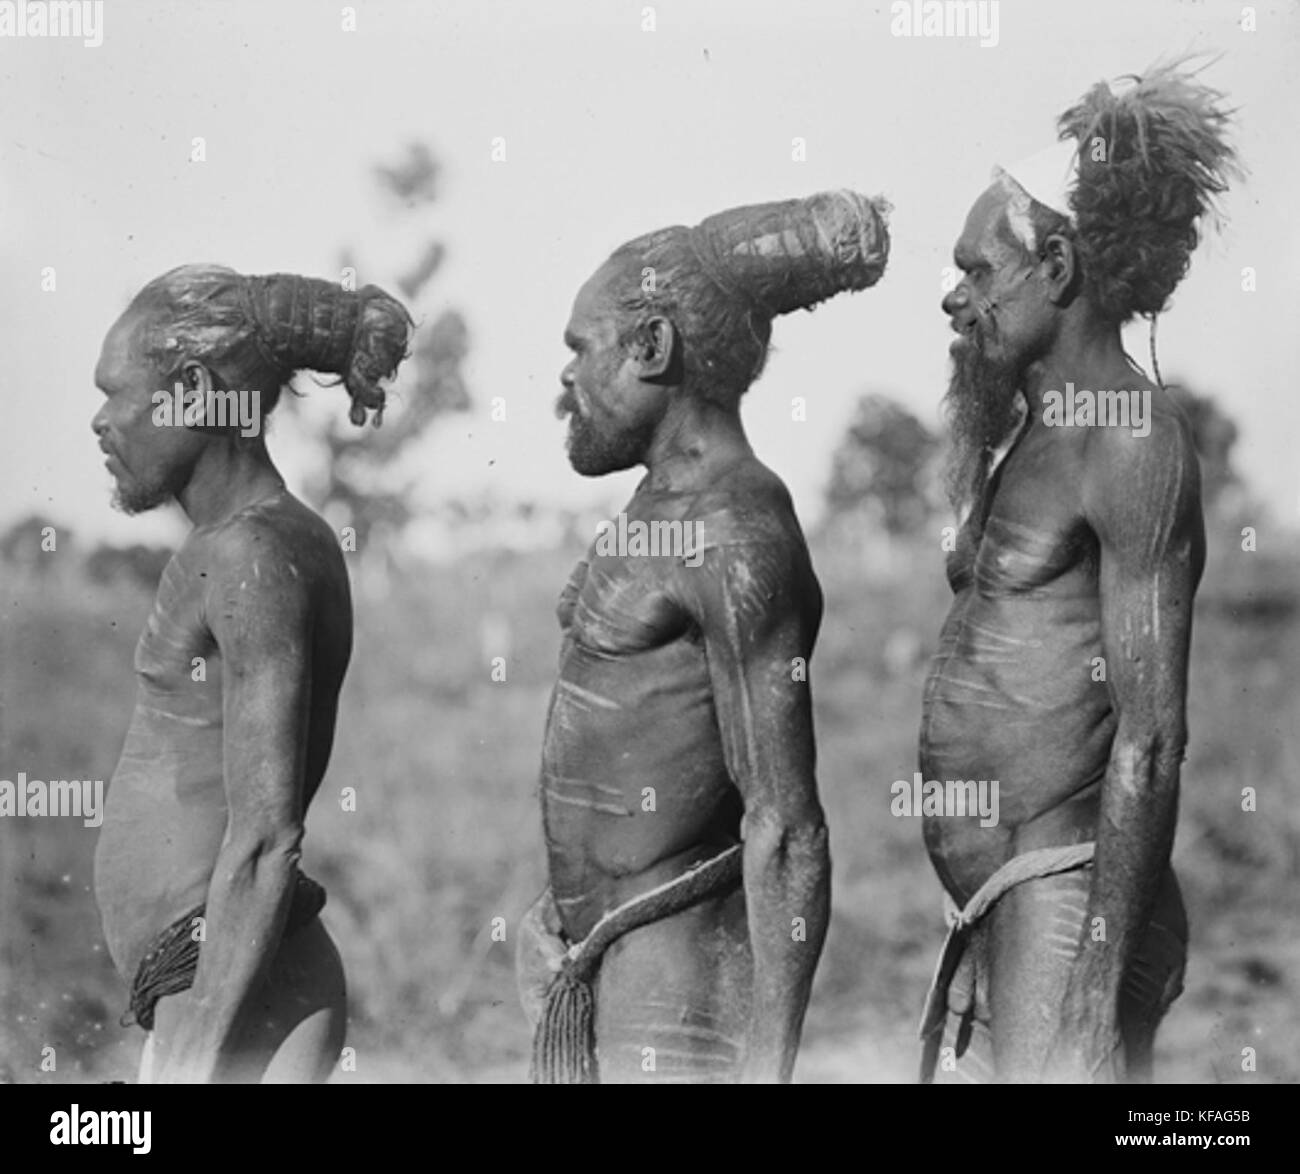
[[962, 923], [169, 964], [559, 998]]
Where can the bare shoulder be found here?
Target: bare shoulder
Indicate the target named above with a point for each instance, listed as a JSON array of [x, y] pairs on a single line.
[[749, 506], [755, 560], [1148, 467], [279, 555]]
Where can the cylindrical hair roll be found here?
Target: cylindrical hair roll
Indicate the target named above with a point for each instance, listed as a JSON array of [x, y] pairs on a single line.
[[794, 254], [723, 281], [268, 328]]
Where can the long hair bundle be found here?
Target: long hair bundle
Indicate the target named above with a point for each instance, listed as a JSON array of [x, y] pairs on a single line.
[[1153, 158]]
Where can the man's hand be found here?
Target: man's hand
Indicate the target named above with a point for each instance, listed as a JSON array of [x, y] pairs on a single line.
[[540, 955], [759, 606], [182, 1057], [1088, 1048]]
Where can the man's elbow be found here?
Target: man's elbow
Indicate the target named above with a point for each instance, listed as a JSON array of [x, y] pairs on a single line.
[[1151, 757], [801, 839]]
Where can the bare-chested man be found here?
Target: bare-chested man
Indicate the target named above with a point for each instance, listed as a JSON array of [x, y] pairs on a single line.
[[239, 669], [681, 723], [1062, 668]]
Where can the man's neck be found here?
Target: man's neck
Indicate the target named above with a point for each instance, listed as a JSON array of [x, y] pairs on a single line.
[[1085, 351], [695, 443], [230, 476]]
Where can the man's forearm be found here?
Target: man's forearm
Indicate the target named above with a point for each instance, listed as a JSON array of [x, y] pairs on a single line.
[[248, 906], [1135, 833], [787, 893]]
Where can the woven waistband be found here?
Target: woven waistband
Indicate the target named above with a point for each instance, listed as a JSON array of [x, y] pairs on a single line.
[[564, 1043], [691, 887]]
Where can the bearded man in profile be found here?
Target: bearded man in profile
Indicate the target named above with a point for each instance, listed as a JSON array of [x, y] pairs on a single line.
[[207, 915], [1062, 667], [689, 871]]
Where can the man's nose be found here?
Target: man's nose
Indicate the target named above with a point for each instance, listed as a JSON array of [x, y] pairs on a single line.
[[566, 375], [99, 421], [955, 299]]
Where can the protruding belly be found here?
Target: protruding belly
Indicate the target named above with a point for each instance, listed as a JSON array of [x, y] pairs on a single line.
[[1013, 696], [164, 821]]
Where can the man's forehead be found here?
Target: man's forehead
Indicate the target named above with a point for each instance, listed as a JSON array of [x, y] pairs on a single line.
[[984, 236], [122, 350], [595, 305]]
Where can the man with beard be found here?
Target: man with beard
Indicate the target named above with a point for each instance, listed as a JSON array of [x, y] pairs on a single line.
[[1062, 667], [689, 872], [206, 913]]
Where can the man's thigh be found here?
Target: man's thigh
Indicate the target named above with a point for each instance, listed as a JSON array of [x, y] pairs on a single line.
[[1035, 933], [1033, 939], [673, 998]]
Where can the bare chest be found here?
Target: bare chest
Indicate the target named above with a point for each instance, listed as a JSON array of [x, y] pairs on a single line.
[[622, 605], [1026, 534], [176, 653]]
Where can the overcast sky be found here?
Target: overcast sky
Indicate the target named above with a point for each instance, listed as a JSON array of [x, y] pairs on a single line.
[[610, 130]]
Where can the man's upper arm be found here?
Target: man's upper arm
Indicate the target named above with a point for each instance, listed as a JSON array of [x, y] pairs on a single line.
[[259, 614], [758, 635], [1142, 499]]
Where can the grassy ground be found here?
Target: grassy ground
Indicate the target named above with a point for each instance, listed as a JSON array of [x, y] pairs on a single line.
[[446, 833]]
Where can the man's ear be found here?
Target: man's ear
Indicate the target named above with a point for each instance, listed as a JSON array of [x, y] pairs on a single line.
[[197, 383], [1061, 267], [195, 377], [655, 350]]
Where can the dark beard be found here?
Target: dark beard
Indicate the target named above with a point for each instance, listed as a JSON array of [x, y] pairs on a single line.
[[982, 406], [594, 452], [138, 497]]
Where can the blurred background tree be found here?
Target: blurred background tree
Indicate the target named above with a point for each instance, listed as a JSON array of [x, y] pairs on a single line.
[[21, 543], [358, 485], [886, 465]]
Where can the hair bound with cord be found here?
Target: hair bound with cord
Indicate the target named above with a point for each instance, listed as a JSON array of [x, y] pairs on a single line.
[[1152, 159], [261, 330], [723, 281]]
